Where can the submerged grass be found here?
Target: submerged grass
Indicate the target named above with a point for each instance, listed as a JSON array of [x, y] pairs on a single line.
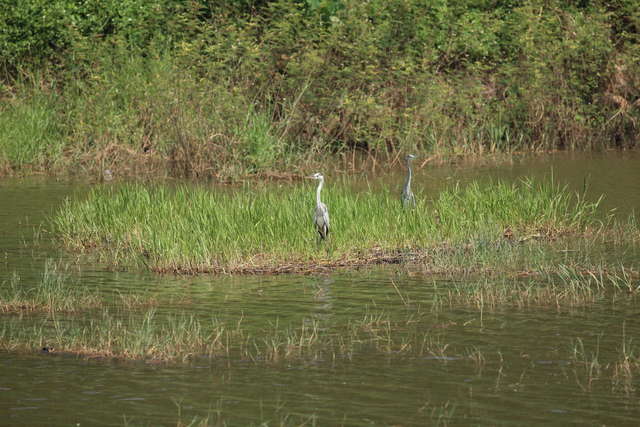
[[564, 287], [121, 334], [183, 337], [192, 229], [114, 331], [620, 370], [54, 292], [225, 413]]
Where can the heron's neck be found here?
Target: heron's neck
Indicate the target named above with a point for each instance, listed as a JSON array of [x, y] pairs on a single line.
[[318, 202], [408, 181]]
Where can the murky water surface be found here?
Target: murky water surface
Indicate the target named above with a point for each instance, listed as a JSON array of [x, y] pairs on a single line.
[[510, 367]]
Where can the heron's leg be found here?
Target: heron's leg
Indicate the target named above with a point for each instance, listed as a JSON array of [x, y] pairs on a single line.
[[329, 245]]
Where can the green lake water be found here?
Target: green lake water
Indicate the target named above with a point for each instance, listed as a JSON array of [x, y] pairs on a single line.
[[527, 374]]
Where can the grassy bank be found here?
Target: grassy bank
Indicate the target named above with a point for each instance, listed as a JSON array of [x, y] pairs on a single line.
[[192, 229], [227, 89]]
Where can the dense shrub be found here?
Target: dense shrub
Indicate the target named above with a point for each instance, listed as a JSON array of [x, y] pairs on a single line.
[[201, 84]]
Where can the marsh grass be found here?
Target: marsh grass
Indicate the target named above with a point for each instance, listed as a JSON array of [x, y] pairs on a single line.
[[54, 292], [181, 338], [57, 291], [222, 417], [561, 288], [626, 368], [154, 336], [594, 364], [191, 229], [278, 413], [184, 338]]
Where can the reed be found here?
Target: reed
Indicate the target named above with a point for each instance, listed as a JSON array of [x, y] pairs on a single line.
[[192, 229]]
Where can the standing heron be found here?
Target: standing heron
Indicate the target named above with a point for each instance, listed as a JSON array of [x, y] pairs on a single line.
[[408, 199], [321, 214]]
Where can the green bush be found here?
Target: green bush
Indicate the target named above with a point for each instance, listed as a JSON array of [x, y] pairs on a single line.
[[219, 88]]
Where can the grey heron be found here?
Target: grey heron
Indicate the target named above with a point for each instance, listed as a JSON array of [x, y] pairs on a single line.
[[408, 199], [321, 214]]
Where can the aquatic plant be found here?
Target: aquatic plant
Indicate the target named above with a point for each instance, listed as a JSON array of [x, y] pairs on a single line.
[[562, 288], [116, 331], [191, 229], [178, 338], [54, 292]]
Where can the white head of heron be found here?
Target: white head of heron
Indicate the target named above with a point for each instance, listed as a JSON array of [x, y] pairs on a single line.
[[410, 157], [316, 175]]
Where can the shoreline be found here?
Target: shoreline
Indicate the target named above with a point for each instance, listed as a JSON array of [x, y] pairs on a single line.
[[142, 168]]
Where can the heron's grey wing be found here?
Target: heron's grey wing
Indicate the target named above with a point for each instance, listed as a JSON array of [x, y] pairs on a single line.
[[321, 216], [317, 217], [325, 216], [321, 219]]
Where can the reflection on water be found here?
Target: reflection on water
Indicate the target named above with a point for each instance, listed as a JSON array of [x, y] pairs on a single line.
[[504, 367]]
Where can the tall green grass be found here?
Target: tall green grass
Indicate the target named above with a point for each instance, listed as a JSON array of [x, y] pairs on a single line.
[[30, 133], [195, 229]]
